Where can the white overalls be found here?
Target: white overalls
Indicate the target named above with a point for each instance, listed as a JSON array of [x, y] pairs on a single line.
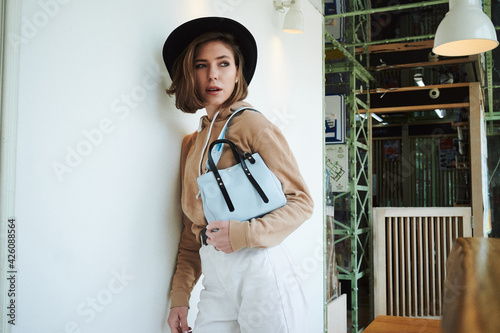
[[253, 290]]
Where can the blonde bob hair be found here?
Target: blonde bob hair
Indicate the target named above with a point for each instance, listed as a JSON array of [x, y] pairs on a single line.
[[183, 84]]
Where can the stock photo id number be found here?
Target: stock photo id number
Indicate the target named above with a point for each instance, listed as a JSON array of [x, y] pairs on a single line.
[[11, 271]]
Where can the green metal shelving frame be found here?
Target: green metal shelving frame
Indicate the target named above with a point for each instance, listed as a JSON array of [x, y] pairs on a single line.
[[358, 228]]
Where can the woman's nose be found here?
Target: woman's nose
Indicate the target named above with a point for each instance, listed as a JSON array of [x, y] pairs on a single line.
[[213, 74]]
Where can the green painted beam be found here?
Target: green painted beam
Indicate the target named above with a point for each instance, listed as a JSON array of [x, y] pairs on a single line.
[[495, 116], [362, 231], [349, 56], [364, 74], [362, 104], [347, 275], [362, 145], [489, 64], [386, 41], [388, 9], [362, 188], [489, 81], [339, 67]]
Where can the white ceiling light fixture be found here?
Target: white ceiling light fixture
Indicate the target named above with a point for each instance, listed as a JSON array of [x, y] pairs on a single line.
[[419, 79], [440, 113], [465, 30], [294, 20], [376, 117]]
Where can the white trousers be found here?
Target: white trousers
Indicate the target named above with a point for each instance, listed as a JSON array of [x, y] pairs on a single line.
[[254, 290]]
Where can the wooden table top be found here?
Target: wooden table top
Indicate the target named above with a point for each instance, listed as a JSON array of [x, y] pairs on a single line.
[[392, 324], [471, 299]]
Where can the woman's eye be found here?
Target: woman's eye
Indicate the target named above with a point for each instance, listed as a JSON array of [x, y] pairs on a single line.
[[224, 64], [200, 66]]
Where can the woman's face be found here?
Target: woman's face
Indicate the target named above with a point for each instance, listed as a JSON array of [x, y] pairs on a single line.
[[216, 74]]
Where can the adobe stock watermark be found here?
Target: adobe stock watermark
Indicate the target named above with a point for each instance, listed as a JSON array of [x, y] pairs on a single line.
[[311, 263], [258, 317], [31, 27], [380, 20], [120, 109], [281, 117], [97, 303], [410, 165], [222, 7]]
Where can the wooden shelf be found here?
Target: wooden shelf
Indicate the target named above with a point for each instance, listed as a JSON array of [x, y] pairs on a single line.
[[398, 47], [462, 124], [422, 64], [394, 56], [435, 104], [414, 108], [416, 88]]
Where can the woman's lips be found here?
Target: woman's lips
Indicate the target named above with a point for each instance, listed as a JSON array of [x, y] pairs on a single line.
[[213, 90]]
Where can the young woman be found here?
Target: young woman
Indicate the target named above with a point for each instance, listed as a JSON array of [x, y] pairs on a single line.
[[248, 279]]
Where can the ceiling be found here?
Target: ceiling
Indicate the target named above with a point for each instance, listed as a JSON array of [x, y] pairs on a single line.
[[420, 20]]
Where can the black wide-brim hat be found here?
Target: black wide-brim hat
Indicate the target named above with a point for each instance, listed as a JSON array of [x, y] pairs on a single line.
[[184, 34]]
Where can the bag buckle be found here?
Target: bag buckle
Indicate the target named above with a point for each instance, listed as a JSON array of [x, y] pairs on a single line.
[[249, 157]]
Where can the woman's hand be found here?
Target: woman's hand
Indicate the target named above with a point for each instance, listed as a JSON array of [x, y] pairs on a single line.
[[218, 236], [177, 320]]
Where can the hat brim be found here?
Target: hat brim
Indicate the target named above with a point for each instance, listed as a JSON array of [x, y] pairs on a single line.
[[183, 35]]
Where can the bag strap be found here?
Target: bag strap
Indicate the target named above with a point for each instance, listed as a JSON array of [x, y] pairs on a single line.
[[216, 152], [239, 160]]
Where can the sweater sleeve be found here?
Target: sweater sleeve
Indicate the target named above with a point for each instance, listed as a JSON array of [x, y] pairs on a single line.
[[273, 228], [188, 267]]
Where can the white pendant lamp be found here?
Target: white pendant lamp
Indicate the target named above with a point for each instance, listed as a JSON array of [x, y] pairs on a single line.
[[294, 19], [464, 30]]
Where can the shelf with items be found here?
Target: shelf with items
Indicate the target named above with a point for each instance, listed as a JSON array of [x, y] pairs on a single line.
[[397, 65], [412, 99], [411, 79], [437, 63], [410, 54], [446, 164], [432, 112]]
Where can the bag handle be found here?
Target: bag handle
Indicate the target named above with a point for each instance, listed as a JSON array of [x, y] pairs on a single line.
[[239, 160], [217, 151]]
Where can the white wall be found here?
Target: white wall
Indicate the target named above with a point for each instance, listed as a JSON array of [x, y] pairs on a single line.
[[98, 148]]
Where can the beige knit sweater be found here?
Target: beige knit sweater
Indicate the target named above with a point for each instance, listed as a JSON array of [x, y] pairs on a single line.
[[252, 132]]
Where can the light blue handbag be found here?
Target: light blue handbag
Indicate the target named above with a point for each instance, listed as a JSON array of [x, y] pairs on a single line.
[[244, 191]]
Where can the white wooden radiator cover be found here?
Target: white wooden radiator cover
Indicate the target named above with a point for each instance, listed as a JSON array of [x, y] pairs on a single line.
[[410, 250]]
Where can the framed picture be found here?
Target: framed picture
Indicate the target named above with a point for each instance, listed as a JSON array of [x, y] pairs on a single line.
[[391, 150], [337, 167], [335, 119]]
